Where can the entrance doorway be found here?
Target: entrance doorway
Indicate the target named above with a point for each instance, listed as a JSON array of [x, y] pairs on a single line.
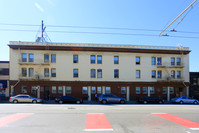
[[46, 92]]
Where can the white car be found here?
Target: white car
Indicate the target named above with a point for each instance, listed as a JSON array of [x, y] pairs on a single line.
[[184, 99]]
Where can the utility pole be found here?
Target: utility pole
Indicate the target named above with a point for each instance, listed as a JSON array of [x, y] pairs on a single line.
[[177, 17]]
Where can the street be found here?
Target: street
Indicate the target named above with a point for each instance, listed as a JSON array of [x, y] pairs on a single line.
[[72, 118]]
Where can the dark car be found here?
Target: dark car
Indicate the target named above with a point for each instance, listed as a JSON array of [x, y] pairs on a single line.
[[68, 99], [146, 100], [110, 98]]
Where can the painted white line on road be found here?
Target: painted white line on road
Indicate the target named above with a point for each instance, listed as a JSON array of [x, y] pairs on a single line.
[[95, 113], [194, 128], [98, 130], [159, 113]]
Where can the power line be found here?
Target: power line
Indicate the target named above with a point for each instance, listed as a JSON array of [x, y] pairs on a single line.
[[90, 27], [107, 33]]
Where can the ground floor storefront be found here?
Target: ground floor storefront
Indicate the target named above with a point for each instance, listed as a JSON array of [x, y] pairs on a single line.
[[87, 89]]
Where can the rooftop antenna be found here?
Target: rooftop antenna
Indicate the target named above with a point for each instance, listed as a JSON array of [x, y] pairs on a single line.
[[42, 35]]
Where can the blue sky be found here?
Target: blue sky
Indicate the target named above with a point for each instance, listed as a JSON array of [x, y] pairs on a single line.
[[132, 14]]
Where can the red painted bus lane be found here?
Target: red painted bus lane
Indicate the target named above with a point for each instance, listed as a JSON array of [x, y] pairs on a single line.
[[181, 121], [97, 122], [12, 118]]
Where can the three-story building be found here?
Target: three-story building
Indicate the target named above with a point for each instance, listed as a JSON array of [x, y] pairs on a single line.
[[48, 70]]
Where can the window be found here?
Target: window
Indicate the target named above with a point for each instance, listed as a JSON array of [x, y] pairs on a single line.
[[164, 90], [153, 61], [159, 74], [24, 57], [137, 74], [152, 90], [123, 90], [99, 59], [108, 90], [34, 90], [68, 89], [75, 58], [159, 61], [137, 90], [99, 90], [171, 90], [31, 57], [4, 71], [99, 73], [137, 60], [172, 61], [178, 74], [75, 73], [60, 89], [116, 73], [84, 90], [153, 74], [24, 72], [116, 59], [53, 72], [46, 72], [93, 90], [178, 61], [46, 58], [54, 89], [24, 89], [173, 74], [92, 59], [92, 73], [53, 58], [31, 72], [144, 90]]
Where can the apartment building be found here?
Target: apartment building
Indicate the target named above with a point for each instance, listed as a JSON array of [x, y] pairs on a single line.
[[194, 85], [4, 77], [54, 69]]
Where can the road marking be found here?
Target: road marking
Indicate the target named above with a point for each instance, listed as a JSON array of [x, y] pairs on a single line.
[[12, 118], [181, 121], [97, 122]]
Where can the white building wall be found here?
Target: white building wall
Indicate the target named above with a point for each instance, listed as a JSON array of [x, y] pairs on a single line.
[[127, 67]]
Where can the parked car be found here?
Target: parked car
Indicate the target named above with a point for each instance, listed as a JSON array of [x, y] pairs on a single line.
[[110, 98], [24, 99], [184, 99], [149, 99], [68, 99]]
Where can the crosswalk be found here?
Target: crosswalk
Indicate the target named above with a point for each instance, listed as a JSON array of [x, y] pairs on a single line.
[[99, 121]]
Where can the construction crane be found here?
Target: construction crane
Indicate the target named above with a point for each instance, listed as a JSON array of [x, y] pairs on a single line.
[[160, 34]]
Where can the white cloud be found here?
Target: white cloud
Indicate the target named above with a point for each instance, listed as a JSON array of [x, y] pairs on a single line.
[[39, 7]]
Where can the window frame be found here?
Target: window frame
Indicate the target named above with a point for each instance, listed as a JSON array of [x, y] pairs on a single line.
[[143, 92], [93, 73], [46, 58], [92, 59], [116, 73], [137, 62], [116, 59], [108, 90], [60, 88], [153, 75], [137, 90], [75, 73], [172, 61], [24, 59], [99, 61], [29, 57], [138, 74], [24, 72], [22, 89], [68, 89], [30, 74], [173, 73], [159, 74], [53, 74], [75, 58], [54, 89], [123, 90], [84, 90], [159, 62], [53, 58], [47, 73], [163, 90], [99, 74], [153, 60]]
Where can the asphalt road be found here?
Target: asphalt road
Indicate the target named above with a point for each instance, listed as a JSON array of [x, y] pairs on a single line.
[[71, 118]]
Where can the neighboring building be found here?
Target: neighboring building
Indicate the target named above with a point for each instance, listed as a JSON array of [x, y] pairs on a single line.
[[4, 77], [82, 70], [194, 84]]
